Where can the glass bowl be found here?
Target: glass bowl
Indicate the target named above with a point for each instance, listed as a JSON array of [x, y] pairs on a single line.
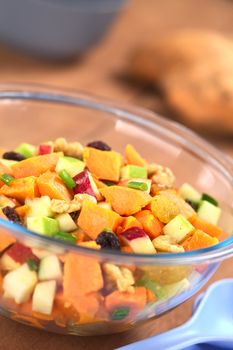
[[92, 304]]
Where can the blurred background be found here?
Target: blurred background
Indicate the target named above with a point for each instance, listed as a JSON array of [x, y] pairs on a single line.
[[174, 57]]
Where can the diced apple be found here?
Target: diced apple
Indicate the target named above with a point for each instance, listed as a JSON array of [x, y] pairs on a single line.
[[138, 240], [86, 184], [145, 181], [73, 166], [188, 192], [20, 253], [19, 283], [26, 149], [43, 225], [50, 268], [45, 148], [209, 212], [133, 171], [178, 228], [66, 223], [7, 263], [7, 162], [39, 207], [43, 297]]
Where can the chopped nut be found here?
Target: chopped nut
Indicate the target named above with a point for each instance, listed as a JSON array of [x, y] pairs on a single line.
[[84, 197], [166, 244], [162, 176], [61, 206], [121, 277], [72, 149]]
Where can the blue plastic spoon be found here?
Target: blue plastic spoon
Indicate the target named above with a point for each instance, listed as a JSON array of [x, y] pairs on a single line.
[[211, 324]]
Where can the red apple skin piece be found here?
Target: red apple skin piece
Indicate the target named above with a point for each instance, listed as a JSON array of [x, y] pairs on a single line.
[[83, 184], [134, 233], [20, 253], [45, 149]]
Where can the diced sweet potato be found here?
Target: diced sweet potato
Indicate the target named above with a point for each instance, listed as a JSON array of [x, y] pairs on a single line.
[[22, 210], [103, 164], [199, 240], [125, 201], [21, 189], [82, 275], [151, 225], [87, 305], [135, 302], [205, 226], [50, 184], [6, 239], [35, 166], [93, 219], [127, 249], [133, 157]]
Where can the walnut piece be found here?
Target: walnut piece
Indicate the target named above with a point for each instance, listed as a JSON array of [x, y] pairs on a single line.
[[72, 149], [166, 244], [122, 277], [161, 176], [60, 206]]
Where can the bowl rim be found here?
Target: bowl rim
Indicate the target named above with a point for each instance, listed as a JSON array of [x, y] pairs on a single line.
[[140, 117]]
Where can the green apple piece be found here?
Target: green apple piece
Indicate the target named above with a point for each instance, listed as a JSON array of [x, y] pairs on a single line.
[[7, 263], [132, 172], [7, 162], [43, 297], [43, 225], [26, 149], [50, 269], [178, 228], [145, 181], [66, 223], [73, 166], [19, 283], [188, 192], [209, 212], [170, 290], [38, 207]]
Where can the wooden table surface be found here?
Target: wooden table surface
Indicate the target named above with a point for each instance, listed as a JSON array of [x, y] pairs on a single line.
[[100, 72]]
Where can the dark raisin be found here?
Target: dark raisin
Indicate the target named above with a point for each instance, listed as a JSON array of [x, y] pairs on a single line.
[[192, 204], [108, 240], [13, 156], [12, 215], [99, 145], [74, 215]]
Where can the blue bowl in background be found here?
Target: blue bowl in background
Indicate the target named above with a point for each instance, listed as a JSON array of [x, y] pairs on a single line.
[[56, 28]]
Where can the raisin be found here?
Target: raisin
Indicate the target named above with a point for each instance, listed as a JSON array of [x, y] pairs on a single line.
[[99, 145], [13, 156], [108, 240], [192, 204], [12, 215], [74, 215]]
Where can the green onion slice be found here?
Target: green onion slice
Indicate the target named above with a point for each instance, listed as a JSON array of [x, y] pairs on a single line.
[[119, 314], [7, 179], [67, 179]]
